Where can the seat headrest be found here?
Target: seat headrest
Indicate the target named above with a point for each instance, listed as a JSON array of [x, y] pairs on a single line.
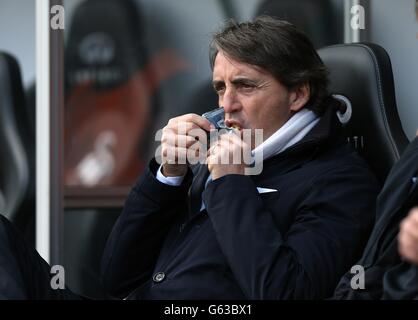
[[315, 18], [14, 170], [105, 44], [362, 73]]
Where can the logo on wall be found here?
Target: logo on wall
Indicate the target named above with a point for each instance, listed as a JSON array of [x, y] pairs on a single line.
[[97, 49]]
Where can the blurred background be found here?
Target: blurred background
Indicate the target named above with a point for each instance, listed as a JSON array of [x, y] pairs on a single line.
[[130, 66]]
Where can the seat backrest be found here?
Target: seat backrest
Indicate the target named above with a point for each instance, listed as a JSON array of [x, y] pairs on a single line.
[[105, 43], [16, 172], [362, 74], [107, 104]]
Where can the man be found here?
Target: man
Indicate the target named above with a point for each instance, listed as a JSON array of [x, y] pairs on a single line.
[[214, 232], [408, 233], [408, 237], [388, 263]]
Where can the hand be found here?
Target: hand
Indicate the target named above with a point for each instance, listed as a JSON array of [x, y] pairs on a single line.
[[408, 237], [226, 156], [179, 140]]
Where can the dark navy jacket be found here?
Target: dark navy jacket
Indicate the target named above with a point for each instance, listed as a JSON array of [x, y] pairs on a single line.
[[295, 243], [386, 274]]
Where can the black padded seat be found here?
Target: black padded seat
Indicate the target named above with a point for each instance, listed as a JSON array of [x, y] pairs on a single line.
[[362, 73]]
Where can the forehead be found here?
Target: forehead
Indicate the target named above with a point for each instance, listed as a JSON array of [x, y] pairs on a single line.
[[227, 66]]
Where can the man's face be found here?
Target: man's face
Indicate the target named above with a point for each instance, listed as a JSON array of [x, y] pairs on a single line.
[[252, 97]]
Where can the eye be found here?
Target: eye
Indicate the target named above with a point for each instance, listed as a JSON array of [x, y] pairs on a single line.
[[246, 86], [219, 89]]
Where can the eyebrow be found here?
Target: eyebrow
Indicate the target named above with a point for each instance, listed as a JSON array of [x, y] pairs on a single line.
[[237, 81], [242, 80], [216, 83]]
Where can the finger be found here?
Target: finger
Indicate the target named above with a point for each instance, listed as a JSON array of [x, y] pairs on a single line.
[[192, 118], [407, 244], [226, 145], [232, 141], [411, 221], [241, 136], [197, 145], [213, 137], [174, 155], [228, 138], [170, 134], [196, 153], [409, 253], [199, 121], [185, 141], [212, 160], [214, 151], [228, 152], [413, 216], [213, 146], [181, 127], [410, 229], [199, 135], [406, 253]]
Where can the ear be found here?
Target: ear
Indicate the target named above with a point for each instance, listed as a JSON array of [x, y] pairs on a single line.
[[299, 97]]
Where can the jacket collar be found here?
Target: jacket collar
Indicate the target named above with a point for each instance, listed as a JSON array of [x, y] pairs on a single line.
[[327, 132]]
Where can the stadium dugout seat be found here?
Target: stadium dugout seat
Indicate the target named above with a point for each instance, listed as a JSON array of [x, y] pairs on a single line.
[[361, 75], [17, 164], [107, 105]]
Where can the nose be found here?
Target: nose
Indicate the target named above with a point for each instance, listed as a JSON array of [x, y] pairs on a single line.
[[230, 101]]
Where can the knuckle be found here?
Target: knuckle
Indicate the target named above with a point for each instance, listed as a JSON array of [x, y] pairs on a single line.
[[167, 130], [191, 115]]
